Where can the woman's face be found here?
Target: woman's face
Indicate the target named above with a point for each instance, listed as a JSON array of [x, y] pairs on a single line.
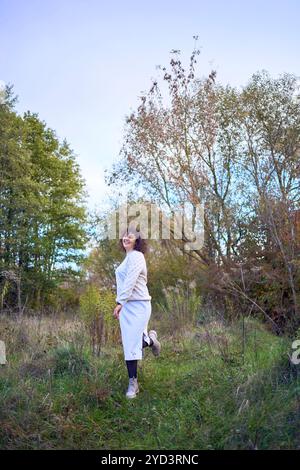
[[129, 241]]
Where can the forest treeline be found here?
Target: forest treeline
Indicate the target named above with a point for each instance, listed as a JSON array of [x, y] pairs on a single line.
[[42, 213], [237, 152], [191, 139]]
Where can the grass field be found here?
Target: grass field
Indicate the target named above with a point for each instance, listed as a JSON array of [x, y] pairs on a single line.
[[215, 387]]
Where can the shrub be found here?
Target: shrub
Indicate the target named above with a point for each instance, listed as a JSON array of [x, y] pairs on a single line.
[[96, 310], [181, 308], [69, 360]]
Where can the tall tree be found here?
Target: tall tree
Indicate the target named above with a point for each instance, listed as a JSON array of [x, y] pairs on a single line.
[[235, 151], [43, 228]]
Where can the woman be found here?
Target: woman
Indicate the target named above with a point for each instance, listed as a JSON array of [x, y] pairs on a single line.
[[134, 306]]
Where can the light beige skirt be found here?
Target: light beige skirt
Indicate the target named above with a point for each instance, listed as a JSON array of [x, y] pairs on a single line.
[[134, 317]]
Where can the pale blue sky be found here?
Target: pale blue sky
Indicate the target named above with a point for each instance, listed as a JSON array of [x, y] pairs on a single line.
[[81, 65]]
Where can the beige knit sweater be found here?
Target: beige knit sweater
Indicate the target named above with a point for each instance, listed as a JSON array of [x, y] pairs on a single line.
[[131, 278]]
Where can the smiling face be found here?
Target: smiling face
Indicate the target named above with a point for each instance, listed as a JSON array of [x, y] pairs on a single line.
[[129, 241]]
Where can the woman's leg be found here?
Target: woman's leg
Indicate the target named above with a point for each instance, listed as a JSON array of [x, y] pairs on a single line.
[[132, 368], [132, 365], [145, 344]]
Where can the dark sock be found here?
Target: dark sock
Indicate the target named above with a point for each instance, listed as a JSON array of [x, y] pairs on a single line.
[[145, 344], [132, 368]]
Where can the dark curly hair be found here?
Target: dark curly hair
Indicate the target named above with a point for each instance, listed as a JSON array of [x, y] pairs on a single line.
[[141, 244]]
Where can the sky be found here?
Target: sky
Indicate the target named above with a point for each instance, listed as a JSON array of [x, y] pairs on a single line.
[[82, 64]]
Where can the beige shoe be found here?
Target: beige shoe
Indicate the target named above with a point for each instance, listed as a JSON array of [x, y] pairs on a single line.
[[133, 388], [156, 346]]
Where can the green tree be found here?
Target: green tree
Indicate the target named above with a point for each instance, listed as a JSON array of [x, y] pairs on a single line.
[[43, 229]]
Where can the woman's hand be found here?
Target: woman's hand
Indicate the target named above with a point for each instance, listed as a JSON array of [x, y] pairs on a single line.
[[117, 311]]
